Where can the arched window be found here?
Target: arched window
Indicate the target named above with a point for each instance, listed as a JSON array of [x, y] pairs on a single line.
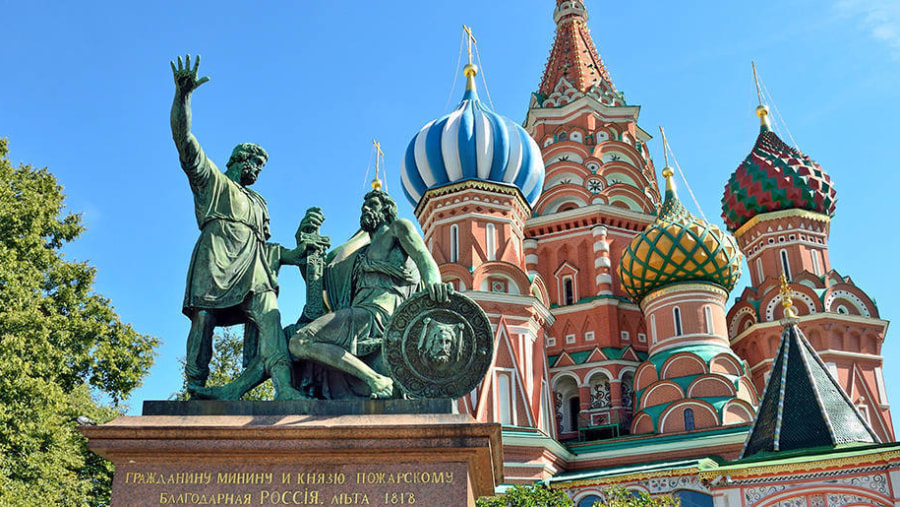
[[627, 390], [814, 254], [589, 501], [693, 498], [785, 265], [454, 243], [707, 315], [505, 398], [600, 392], [688, 419], [653, 328], [568, 290], [491, 242], [759, 269], [571, 423], [676, 313]]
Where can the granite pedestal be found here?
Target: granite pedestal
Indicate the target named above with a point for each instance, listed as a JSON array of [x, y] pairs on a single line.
[[377, 455]]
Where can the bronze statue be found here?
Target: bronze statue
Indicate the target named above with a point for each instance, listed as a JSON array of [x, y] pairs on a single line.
[[232, 277], [438, 344], [366, 279]]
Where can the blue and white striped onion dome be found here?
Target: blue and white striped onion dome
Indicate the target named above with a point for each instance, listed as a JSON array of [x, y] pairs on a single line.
[[472, 143]]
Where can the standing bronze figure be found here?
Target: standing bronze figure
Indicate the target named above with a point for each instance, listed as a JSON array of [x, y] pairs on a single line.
[[232, 277]]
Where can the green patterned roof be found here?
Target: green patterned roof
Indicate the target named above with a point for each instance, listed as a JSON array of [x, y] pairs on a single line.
[[774, 177], [678, 247], [803, 406]]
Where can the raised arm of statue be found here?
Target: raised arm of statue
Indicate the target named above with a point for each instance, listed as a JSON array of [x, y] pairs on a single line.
[[412, 244], [186, 82]]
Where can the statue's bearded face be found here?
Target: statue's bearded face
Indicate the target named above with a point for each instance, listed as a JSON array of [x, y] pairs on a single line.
[[250, 168], [441, 341], [372, 215]]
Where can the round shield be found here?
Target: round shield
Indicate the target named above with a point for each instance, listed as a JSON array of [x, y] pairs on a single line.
[[438, 350]]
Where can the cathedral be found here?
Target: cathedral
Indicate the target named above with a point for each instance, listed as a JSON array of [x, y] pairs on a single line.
[[618, 358]]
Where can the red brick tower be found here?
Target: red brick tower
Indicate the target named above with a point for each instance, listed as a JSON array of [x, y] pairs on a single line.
[[473, 177], [600, 191], [779, 204], [680, 270]]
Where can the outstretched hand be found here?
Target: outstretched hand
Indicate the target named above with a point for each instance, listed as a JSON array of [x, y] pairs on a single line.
[[185, 77]]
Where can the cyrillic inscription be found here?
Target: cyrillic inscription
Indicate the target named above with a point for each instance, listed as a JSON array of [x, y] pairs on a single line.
[[393, 484]]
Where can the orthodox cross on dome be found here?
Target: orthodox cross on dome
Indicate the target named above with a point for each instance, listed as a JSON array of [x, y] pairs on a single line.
[[667, 171], [761, 110], [470, 39], [376, 183], [470, 70], [756, 80]]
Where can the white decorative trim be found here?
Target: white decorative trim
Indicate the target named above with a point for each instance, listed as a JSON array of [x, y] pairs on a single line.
[[857, 302], [736, 320], [795, 295]]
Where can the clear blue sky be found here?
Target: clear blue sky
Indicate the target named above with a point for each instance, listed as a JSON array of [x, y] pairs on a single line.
[[86, 91]]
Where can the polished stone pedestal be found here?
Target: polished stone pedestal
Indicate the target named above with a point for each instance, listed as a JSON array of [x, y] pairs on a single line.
[[361, 459]]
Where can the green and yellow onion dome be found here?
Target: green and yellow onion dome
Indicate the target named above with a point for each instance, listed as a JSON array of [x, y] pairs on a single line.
[[678, 247]]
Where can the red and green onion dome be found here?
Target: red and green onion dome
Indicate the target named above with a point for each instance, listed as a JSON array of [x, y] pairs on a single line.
[[775, 177], [678, 247]]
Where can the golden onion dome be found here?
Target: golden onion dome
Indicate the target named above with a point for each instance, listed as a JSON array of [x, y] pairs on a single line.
[[678, 247]]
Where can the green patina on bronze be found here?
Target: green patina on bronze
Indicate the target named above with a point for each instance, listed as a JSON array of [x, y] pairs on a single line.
[[335, 349], [366, 279], [232, 277]]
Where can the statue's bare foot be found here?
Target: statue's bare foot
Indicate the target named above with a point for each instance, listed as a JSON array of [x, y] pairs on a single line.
[[382, 387], [226, 392]]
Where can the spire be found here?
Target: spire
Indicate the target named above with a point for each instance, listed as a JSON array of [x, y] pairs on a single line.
[[574, 56], [761, 110], [671, 208], [803, 405]]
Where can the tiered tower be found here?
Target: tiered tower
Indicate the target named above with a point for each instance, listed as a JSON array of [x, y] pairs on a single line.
[[779, 204], [600, 191], [681, 270], [473, 177]]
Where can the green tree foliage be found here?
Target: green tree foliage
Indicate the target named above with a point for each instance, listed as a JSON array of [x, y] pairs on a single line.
[[621, 497], [534, 495], [539, 495], [64, 353], [226, 365]]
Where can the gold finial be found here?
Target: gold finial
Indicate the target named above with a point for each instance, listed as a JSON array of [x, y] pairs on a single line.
[[786, 302], [761, 110], [376, 183], [667, 171], [470, 70]]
